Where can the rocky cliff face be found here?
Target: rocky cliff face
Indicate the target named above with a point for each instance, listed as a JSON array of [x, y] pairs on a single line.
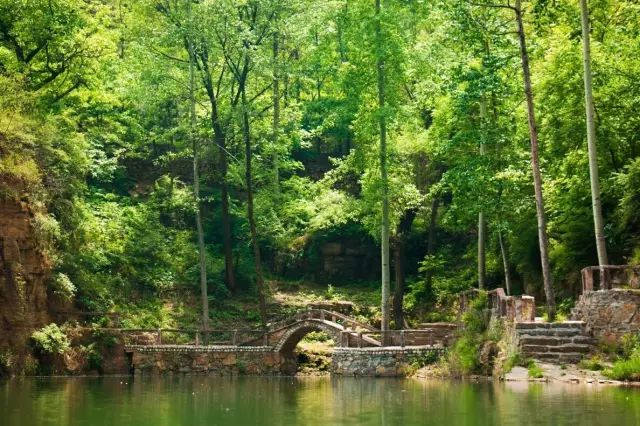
[[24, 271]]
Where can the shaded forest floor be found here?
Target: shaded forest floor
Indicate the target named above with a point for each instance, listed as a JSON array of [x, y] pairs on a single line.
[[182, 309]]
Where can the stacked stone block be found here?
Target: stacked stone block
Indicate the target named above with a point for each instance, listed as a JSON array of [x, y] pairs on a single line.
[[561, 343]]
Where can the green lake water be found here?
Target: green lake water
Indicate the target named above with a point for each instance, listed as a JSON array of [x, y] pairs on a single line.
[[327, 401]]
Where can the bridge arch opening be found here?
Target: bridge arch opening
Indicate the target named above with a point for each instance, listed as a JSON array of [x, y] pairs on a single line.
[[308, 347]]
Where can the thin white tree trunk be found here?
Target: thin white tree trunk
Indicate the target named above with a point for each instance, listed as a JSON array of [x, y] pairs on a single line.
[[505, 264], [535, 166], [482, 225], [196, 190], [383, 172], [591, 141]]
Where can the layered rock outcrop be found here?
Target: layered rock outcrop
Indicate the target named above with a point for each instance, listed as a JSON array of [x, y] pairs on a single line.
[[24, 271]]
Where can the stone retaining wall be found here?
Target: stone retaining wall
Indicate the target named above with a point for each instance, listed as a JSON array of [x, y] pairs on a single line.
[[219, 360], [609, 314], [388, 361], [441, 332], [263, 360]]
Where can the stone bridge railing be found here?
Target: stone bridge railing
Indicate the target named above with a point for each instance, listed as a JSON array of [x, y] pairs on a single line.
[[270, 336], [409, 337], [608, 277], [323, 315]]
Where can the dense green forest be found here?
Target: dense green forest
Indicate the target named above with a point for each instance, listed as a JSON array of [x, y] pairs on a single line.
[[171, 149]]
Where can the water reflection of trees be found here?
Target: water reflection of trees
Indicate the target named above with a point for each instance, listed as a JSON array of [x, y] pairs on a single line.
[[308, 401]]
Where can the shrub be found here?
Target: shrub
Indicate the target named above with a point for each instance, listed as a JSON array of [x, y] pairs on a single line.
[[595, 363], [464, 357], [7, 360], [465, 354], [63, 286], [626, 369], [317, 336], [51, 339], [629, 344], [535, 372], [511, 361]]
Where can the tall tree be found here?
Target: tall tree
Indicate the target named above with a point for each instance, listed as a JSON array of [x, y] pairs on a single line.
[[207, 67], [400, 242], [251, 28], [598, 221], [543, 239], [204, 294], [220, 142], [382, 123], [482, 223], [276, 109]]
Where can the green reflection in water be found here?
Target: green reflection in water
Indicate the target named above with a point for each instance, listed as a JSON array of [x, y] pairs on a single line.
[[311, 401]]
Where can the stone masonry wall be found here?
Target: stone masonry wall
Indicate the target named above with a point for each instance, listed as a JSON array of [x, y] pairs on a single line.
[[609, 314], [387, 362], [264, 361], [218, 360]]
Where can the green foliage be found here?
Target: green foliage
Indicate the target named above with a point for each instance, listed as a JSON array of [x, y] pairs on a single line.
[[629, 344], [317, 336], [627, 367], [534, 371], [51, 339], [7, 361], [63, 286], [96, 134], [512, 360], [464, 357], [595, 363], [331, 293], [421, 361], [565, 306]]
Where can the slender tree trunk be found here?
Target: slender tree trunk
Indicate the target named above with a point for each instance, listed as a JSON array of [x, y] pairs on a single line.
[[398, 296], [229, 270], [591, 142], [219, 140], [431, 238], [482, 225], [204, 294], [482, 255], [535, 165], [342, 50], [296, 83], [505, 263], [383, 172], [276, 111], [403, 229], [257, 260]]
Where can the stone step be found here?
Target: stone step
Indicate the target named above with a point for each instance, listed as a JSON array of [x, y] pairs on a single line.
[[555, 341], [559, 358], [567, 348], [550, 326], [559, 332]]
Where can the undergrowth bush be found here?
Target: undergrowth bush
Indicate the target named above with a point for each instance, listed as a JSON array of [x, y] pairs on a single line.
[[464, 356], [51, 339], [595, 363], [628, 366], [534, 370]]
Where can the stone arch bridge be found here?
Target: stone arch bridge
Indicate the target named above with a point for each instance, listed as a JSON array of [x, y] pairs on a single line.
[[270, 351]]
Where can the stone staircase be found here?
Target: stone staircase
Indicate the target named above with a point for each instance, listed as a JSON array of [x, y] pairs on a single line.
[[561, 343]]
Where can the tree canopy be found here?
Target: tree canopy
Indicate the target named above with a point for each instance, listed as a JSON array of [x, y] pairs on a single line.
[[157, 139]]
